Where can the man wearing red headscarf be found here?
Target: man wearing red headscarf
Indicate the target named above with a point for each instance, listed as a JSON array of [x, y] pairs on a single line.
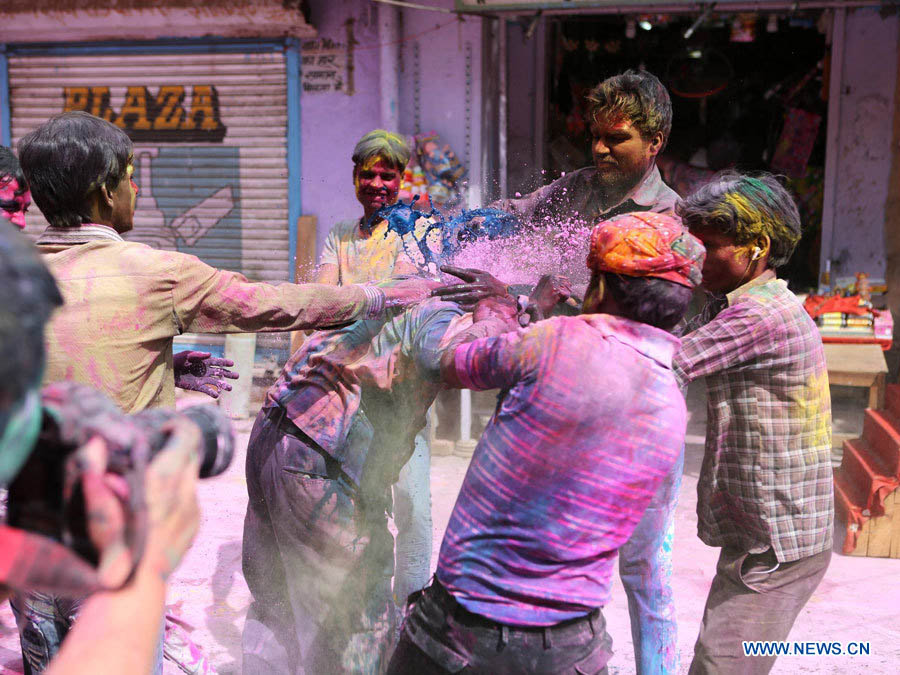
[[589, 424]]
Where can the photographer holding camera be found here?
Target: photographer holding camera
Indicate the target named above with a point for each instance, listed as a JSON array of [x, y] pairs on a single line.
[[118, 630]]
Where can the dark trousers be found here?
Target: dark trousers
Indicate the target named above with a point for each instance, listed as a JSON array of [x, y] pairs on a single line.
[[318, 565], [440, 636], [752, 597]]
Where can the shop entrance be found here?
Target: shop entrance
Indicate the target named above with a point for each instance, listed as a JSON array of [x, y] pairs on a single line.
[[749, 92]]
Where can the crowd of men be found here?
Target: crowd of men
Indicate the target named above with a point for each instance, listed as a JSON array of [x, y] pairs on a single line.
[[580, 464]]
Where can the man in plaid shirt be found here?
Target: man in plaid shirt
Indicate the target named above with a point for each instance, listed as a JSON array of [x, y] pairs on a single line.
[[765, 487]]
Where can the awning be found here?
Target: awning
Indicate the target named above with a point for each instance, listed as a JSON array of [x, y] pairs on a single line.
[[552, 7]]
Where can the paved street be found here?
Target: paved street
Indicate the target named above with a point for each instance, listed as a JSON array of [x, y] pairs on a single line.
[[856, 601]]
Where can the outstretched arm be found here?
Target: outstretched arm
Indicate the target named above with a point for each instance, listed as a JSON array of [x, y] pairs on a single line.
[[207, 300]]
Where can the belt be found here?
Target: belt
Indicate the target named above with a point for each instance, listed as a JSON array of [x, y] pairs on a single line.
[[451, 605]]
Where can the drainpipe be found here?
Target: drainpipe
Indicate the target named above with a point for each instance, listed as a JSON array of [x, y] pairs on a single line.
[[388, 38]]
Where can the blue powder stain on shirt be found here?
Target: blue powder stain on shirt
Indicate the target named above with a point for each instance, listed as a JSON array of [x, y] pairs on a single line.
[[401, 218]]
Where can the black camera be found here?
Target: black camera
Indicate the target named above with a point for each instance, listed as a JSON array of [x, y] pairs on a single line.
[[46, 495]]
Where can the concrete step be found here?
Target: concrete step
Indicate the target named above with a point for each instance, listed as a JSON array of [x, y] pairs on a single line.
[[881, 430], [892, 399], [862, 469]]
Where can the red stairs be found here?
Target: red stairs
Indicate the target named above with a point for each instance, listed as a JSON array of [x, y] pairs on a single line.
[[866, 492]]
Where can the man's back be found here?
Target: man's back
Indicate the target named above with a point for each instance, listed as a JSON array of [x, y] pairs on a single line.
[[387, 367], [590, 423], [115, 330]]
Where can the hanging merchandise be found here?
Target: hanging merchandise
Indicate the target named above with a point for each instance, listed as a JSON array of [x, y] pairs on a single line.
[[743, 28], [698, 73], [434, 171], [795, 145]]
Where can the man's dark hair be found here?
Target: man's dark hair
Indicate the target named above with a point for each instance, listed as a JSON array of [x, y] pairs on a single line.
[[69, 157], [746, 208], [640, 97], [10, 168], [28, 295], [649, 300]]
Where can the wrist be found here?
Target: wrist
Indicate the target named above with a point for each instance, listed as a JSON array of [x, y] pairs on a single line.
[[375, 303]]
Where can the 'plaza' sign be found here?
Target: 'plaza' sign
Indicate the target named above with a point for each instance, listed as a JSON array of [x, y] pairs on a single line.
[[161, 117]]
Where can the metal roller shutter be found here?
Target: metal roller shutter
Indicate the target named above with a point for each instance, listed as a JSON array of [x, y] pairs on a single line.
[[210, 144]]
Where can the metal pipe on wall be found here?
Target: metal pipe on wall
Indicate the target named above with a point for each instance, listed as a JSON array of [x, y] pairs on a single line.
[[488, 112], [5, 107], [832, 137], [389, 39], [502, 109], [540, 100]]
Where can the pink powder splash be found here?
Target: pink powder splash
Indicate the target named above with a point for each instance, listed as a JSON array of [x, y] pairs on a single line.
[[559, 248]]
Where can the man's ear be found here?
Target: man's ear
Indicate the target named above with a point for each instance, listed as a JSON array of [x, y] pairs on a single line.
[[105, 196], [656, 143], [593, 297], [765, 244]]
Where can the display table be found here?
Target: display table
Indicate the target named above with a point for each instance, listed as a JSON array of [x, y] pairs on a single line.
[[858, 365]]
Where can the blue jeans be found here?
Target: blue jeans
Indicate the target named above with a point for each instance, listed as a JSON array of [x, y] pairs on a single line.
[[645, 567], [412, 516], [44, 621]]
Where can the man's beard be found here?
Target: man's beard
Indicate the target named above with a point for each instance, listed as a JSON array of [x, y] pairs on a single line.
[[618, 182]]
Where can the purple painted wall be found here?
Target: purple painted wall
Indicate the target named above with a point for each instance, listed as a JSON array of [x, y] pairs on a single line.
[[444, 41], [333, 122]]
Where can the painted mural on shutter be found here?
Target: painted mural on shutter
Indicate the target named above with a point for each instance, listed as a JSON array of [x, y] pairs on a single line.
[[210, 154]]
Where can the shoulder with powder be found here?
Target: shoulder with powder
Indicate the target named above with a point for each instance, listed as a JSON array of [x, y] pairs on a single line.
[[344, 229]]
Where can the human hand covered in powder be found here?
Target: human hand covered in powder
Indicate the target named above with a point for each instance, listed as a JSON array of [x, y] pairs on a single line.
[[171, 518], [479, 286], [497, 308], [199, 371], [170, 486], [550, 290]]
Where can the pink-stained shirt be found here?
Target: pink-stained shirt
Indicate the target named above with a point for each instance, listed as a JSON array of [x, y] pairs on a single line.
[[589, 423], [124, 302]]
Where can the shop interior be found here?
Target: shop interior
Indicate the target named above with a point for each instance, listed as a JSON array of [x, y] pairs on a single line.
[[749, 92]]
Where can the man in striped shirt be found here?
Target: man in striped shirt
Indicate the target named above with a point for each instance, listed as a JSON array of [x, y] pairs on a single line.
[[589, 423], [765, 489]]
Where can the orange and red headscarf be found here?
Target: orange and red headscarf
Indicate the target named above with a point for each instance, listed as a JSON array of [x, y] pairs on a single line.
[[647, 244]]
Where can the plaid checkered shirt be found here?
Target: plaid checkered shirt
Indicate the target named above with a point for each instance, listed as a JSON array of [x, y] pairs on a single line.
[[766, 479]]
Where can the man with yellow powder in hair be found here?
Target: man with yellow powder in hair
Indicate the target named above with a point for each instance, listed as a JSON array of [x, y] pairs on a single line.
[[363, 250], [360, 250], [765, 489]]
